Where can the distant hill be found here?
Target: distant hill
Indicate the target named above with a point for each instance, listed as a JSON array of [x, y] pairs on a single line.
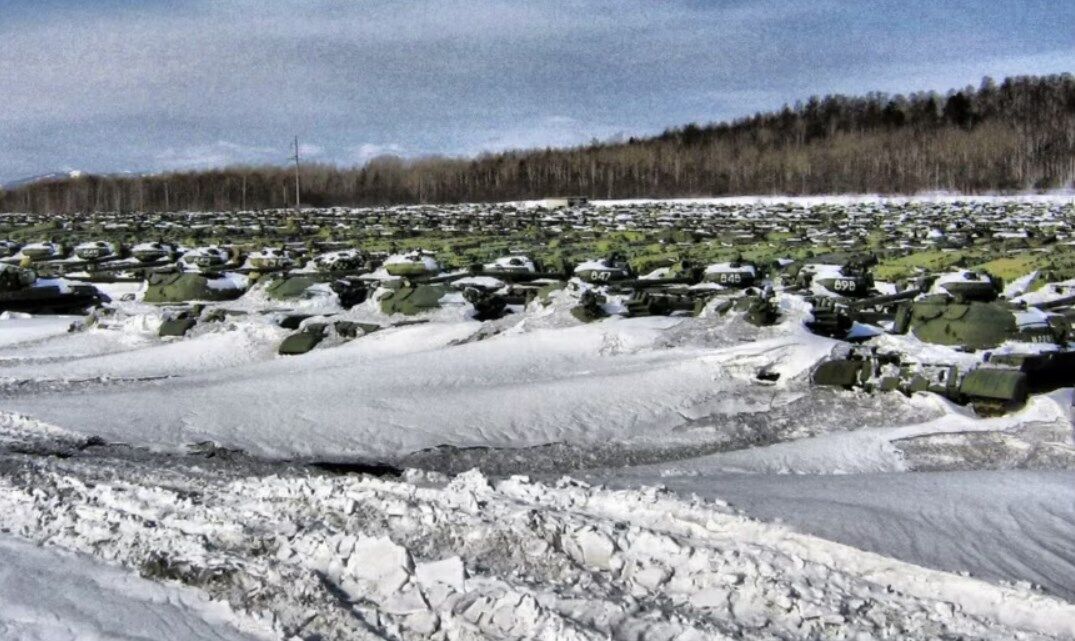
[[29, 180], [1013, 136]]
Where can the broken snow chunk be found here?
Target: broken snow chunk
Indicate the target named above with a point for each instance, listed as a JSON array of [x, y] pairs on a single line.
[[380, 562], [710, 598], [448, 572], [422, 623], [591, 548], [409, 602]]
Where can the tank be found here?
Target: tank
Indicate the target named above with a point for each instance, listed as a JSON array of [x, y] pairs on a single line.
[[757, 307], [989, 388], [22, 291], [186, 286], [417, 263], [342, 261], [1020, 348], [603, 270], [9, 248], [203, 259], [410, 299], [42, 251], [153, 252], [736, 274], [511, 264], [96, 250], [290, 287], [270, 259], [590, 307]]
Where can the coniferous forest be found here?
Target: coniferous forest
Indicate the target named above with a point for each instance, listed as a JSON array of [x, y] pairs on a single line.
[[1015, 135]]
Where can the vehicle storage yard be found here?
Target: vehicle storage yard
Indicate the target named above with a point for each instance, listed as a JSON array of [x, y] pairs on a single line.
[[737, 418]]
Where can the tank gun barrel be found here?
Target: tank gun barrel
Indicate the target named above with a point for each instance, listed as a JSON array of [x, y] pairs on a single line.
[[1055, 304], [887, 299]]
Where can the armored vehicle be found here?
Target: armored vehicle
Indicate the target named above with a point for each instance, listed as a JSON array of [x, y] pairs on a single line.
[[614, 267], [1022, 348], [9, 248], [736, 274], [96, 250], [176, 286], [22, 291], [269, 259], [41, 251], [350, 261], [417, 263], [205, 259], [153, 252]]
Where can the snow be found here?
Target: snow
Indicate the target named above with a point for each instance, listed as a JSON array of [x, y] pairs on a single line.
[[620, 379], [513, 263], [481, 282], [257, 542], [872, 450], [594, 265], [47, 594], [718, 268], [427, 261], [429, 557], [1000, 525]]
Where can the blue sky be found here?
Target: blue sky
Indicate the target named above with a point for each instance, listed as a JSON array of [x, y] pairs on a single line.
[[153, 84]]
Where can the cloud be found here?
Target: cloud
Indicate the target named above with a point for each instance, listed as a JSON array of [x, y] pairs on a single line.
[[154, 85], [366, 152], [219, 153], [307, 150]]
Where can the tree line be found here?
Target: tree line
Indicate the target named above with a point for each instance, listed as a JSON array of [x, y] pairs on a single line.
[[1015, 135]]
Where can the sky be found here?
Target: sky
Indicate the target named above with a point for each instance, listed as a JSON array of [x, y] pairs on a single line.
[[155, 85]]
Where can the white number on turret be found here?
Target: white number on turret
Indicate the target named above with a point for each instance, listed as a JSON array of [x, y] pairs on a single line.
[[840, 285]]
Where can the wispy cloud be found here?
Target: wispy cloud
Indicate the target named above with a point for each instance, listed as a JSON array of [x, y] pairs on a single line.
[[155, 85]]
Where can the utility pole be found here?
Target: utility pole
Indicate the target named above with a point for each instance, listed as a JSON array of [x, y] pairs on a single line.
[[296, 159], [244, 190]]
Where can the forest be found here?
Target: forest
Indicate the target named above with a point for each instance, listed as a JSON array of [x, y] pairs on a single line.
[[1015, 135]]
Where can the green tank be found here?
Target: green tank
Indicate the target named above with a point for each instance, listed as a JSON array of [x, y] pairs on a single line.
[[989, 387], [9, 248], [415, 264], [590, 307], [736, 274], [1023, 349], [181, 287], [290, 287], [756, 307], [22, 291], [614, 267], [410, 299]]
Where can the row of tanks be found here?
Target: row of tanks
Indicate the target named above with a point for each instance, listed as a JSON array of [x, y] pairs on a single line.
[[1007, 345]]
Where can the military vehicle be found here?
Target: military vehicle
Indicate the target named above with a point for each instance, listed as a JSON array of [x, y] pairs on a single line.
[[154, 252], [22, 291], [851, 279], [411, 297], [42, 251], [96, 250], [202, 259], [591, 306], [349, 261], [175, 286], [737, 274], [1023, 348], [9, 248], [613, 267], [269, 259], [413, 264]]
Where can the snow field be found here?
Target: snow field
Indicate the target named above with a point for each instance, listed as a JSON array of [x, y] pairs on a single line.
[[424, 557]]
